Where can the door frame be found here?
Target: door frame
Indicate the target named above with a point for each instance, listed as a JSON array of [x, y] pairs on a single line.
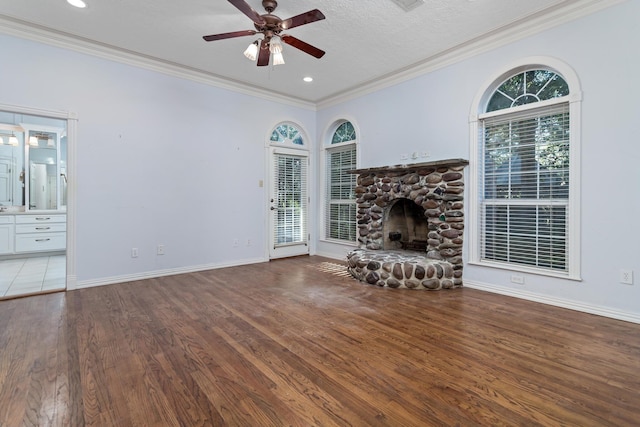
[[72, 132], [272, 148]]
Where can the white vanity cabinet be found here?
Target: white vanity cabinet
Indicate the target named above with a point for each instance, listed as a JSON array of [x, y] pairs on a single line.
[[6, 234], [40, 232]]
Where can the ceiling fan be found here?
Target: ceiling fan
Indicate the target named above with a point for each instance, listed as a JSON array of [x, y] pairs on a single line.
[[270, 26]]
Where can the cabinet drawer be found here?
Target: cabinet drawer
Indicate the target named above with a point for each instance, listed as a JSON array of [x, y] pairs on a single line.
[[40, 219], [41, 242], [41, 228], [6, 219]]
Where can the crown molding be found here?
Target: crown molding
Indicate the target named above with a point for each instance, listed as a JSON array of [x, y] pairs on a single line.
[[499, 37], [502, 36], [18, 28]]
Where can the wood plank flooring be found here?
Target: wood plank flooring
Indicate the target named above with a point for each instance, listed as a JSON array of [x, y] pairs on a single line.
[[297, 342]]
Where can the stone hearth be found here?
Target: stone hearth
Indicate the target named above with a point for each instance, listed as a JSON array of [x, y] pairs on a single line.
[[400, 269], [410, 225]]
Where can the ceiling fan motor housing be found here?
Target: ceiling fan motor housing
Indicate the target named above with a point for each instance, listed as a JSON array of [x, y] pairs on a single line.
[[272, 25], [269, 5]]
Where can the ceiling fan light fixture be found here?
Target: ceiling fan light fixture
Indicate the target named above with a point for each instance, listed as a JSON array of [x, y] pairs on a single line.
[[33, 141], [275, 46], [13, 140], [278, 59], [252, 51]]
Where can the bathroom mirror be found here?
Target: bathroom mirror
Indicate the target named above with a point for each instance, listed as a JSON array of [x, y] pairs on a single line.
[[11, 165], [43, 173], [33, 168]]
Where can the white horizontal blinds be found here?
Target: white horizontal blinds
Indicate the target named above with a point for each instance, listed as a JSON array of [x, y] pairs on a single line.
[[525, 191], [291, 200], [341, 215]]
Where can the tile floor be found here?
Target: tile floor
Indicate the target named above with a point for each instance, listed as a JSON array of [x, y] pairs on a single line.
[[29, 275]]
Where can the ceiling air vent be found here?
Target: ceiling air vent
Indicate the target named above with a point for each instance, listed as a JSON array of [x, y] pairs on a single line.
[[408, 5]]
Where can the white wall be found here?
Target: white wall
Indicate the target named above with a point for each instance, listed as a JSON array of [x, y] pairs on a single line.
[[155, 153], [160, 160], [431, 113]]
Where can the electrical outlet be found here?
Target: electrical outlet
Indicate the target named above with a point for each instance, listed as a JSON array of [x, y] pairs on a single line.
[[236, 243], [248, 242], [626, 277], [134, 252], [160, 250], [518, 279]]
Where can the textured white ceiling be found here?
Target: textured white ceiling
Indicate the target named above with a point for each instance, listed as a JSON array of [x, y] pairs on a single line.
[[364, 40]]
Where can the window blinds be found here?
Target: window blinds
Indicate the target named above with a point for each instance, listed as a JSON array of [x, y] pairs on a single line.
[[340, 220], [290, 176], [525, 187]]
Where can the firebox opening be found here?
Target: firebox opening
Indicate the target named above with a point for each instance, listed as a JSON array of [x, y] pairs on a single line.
[[406, 227]]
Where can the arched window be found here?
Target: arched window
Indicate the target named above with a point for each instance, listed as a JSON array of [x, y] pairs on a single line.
[[525, 169], [287, 134], [340, 217], [528, 87]]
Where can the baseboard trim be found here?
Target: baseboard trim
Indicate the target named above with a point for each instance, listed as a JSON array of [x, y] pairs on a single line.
[[331, 255], [72, 282], [557, 302], [162, 273]]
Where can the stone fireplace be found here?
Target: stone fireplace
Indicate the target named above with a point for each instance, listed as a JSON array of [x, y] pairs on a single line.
[[410, 225]]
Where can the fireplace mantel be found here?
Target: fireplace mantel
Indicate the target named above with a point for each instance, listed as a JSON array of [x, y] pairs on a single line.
[[411, 168]]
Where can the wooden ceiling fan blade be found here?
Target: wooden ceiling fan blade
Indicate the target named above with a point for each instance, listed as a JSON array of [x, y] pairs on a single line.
[[304, 18], [244, 7], [303, 46], [233, 34], [263, 54]]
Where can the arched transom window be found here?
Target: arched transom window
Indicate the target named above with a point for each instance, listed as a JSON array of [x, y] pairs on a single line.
[[287, 134], [528, 87], [344, 133]]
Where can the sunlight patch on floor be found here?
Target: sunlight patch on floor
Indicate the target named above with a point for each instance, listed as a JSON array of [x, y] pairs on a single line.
[[333, 268]]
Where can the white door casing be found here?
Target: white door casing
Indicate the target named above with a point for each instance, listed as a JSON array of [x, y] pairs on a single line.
[[288, 202]]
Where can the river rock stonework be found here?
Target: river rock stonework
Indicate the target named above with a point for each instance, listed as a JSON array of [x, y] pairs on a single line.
[[397, 269], [438, 188]]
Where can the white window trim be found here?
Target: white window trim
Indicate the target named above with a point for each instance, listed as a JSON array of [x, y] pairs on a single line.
[[575, 107], [267, 182]]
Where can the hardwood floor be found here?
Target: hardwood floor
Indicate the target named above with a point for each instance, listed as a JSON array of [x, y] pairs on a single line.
[[298, 342]]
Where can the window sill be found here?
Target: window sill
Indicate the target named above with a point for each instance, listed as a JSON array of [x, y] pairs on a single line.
[[524, 269], [339, 242]]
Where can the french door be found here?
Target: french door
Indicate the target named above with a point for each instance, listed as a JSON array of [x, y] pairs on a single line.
[[288, 203]]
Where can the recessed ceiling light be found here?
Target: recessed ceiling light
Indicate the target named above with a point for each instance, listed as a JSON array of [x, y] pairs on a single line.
[[408, 5], [308, 79], [77, 3]]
